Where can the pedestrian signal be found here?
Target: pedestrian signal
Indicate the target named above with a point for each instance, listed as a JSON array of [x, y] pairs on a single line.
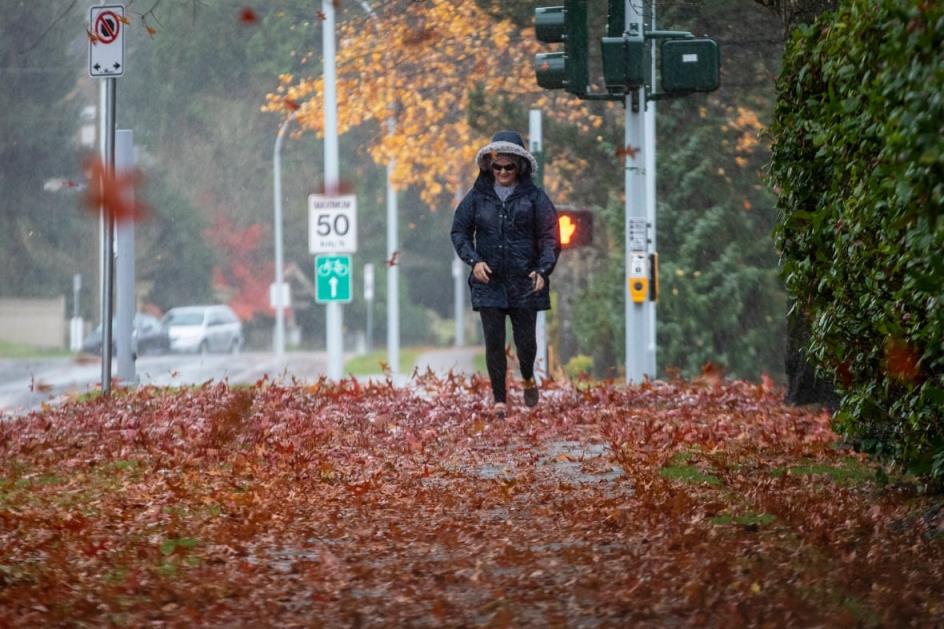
[[576, 228]]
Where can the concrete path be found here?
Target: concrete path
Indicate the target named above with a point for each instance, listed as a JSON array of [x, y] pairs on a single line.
[[456, 359]]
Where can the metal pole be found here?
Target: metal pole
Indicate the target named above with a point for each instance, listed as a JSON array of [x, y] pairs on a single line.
[[393, 270], [334, 325], [76, 289], [651, 345], [635, 222], [458, 301], [75, 324], [536, 141], [369, 301], [103, 157], [124, 290], [279, 333], [111, 87]]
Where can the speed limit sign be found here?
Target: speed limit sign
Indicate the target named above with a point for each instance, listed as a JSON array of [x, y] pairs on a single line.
[[332, 223]]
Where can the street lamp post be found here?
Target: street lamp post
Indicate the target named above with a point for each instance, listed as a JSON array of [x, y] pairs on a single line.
[[279, 335]]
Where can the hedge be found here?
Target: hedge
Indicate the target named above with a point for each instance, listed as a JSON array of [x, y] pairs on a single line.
[[858, 167]]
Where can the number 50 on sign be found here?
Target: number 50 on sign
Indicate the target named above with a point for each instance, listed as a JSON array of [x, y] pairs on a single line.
[[332, 223]]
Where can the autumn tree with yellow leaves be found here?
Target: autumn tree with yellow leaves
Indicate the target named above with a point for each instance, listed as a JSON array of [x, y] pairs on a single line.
[[419, 62]]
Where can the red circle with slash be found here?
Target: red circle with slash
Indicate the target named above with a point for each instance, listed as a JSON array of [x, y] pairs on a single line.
[[107, 26]]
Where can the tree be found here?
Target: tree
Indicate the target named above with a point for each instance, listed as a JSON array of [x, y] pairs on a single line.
[[435, 58], [721, 300], [45, 236]]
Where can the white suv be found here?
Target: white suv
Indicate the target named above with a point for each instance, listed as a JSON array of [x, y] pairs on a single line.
[[203, 329]]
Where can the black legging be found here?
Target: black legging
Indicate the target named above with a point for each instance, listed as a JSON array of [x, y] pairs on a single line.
[[523, 322]]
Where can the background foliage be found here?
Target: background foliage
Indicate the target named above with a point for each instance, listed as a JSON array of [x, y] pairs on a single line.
[[721, 299], [199, 75], [859, 164]]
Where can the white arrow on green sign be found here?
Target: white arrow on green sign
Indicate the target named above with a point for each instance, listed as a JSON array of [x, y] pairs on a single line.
[[333, 279]]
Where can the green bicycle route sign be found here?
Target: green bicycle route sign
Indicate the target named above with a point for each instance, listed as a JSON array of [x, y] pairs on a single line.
[[333, 279]]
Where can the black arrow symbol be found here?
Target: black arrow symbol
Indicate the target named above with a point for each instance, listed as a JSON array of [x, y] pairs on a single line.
[[117, 65], [97, 66]]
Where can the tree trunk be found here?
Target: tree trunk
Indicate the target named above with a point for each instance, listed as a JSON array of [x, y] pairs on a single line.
[[803, 385]]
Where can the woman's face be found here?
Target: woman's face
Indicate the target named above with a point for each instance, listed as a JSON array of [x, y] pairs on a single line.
[[505, 170]]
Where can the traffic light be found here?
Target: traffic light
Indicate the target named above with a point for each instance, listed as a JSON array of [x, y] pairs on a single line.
[[624, 62], [563, 70], [576, 228]]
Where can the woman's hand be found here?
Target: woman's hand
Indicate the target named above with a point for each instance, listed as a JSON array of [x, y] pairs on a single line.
[[481, 271], [537, 281]]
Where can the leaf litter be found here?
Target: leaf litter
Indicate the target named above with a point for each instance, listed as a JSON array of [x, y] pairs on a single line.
[[706, 502]]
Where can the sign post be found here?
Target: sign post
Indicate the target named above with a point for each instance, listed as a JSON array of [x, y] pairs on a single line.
[[369, 298], [106, 60]]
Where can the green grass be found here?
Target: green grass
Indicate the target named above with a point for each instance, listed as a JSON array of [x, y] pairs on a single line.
[[851, 470], [369, 364], [678, 469], [745, 519], [478, 361], [19, 350]]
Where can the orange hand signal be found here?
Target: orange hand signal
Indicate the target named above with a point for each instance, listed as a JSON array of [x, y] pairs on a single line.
[[567, 229]]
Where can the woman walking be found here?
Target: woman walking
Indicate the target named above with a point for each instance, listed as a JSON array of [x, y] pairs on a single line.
[[505, 229]]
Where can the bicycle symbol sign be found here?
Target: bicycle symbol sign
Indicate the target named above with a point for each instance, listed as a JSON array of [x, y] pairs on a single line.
[[333, 279]]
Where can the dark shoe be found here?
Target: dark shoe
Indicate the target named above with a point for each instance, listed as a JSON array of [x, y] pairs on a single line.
[[531, 393]]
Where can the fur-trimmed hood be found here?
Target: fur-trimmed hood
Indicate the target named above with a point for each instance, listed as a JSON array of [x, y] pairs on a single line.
[[508, 142]]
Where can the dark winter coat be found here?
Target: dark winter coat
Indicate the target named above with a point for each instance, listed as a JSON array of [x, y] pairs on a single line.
[[513, 237]]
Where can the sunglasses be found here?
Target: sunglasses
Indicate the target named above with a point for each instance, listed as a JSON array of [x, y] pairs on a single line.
[[506, 167]]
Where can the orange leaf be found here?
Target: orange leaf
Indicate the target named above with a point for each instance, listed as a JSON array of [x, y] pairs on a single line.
[[628, 151], [114, 194]]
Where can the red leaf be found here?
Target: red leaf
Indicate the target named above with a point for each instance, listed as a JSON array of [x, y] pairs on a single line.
[[248, 16]]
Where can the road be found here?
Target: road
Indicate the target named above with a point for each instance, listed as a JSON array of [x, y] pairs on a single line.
[[28, 383]]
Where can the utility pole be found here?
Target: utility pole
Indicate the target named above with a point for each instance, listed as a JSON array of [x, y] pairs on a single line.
[[125, 301], [393, 270], [536, 149], [334, 325]]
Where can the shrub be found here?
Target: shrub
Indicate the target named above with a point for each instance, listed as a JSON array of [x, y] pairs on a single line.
[[858, 164], [580, 366]]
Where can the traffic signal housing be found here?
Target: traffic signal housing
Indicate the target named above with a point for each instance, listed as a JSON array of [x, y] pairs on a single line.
[[690, 65], [576, 227], [563, 70]]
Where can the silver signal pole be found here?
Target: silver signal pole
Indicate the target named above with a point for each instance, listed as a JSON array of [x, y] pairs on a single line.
[[651, 197], [334, 326], [636, 225]]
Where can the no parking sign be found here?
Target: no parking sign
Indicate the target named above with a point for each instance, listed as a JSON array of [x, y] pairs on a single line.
[[106, 34]]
